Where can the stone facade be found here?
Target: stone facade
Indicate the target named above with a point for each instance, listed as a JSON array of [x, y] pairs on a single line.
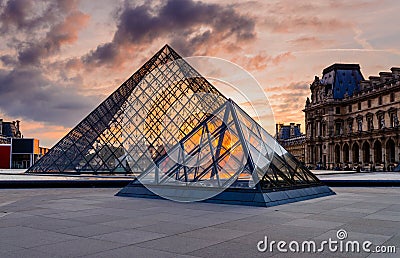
[[291, 138], [9, 130], [351, 121]]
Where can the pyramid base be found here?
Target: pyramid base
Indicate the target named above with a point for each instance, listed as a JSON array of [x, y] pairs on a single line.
[[236, 196]]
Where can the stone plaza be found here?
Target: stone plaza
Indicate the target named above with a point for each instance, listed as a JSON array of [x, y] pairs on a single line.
[[92, 222]]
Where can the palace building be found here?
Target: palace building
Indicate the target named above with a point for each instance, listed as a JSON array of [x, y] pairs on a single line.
[[351, 121], [292, 139]]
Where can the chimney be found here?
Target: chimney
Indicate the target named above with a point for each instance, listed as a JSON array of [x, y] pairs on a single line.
[[18, 131], [278, 130], [374, 80], [365, 85], [395, 72], [385, 76], [291, 132]]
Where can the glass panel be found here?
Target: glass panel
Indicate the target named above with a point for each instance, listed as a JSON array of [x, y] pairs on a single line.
[[154, 109]]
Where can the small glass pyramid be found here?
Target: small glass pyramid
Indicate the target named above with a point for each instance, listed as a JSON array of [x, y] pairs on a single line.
[[228, 149]]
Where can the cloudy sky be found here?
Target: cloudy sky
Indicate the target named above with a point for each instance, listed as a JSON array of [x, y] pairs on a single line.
[[59, 59]]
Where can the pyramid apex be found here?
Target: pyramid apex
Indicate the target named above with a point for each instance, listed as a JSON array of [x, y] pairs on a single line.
[[168, 49], [166, 46]]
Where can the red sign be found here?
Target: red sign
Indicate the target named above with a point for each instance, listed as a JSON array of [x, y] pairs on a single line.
[[5, 152]]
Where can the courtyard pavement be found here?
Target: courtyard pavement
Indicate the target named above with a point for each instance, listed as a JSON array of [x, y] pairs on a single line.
[[361, 176], [92, 222]]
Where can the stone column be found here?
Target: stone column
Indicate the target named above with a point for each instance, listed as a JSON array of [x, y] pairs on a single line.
[[341, 155], [351, 154], [331, 158], [383, 158], [320, 154], [372, 154]]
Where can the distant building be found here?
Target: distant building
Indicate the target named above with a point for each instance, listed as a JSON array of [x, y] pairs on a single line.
[[9, 130], [291, 138], [16, 151], [351, 121], [285, 132]]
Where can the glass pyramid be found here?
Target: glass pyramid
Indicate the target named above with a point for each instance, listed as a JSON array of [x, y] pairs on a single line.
[[171, 129], [137, 123], [228, 149]]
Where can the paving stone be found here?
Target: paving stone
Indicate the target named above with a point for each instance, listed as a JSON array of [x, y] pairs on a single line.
[[131, 236], [89, 230], [28, 253], [50, 223], [178, 244], [169, 228], [212, 233], [385, 215], [99, 218], [360, 237], [131, 223], [28, 237], [6, 247], [230, 249], [325, 217], [280, 232], [79, 247], [342, 214], [314, 223], [135, 251], [243, 225]]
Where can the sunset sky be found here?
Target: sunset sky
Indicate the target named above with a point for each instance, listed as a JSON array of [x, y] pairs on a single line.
[[59, 59]]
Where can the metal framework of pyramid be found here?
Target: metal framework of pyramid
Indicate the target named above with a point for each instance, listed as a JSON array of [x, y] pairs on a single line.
[[172, 129]]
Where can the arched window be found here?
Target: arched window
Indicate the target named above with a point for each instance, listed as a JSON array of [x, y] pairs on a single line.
[[366, 152], [346, 153], [390, 151], [378, 151]]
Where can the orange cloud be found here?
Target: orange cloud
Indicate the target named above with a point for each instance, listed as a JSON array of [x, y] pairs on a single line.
[[257, 62], [290, 24], [288, 101], [289, 88], [261, 61], [282, 57], [307, 42], [67, 31]]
